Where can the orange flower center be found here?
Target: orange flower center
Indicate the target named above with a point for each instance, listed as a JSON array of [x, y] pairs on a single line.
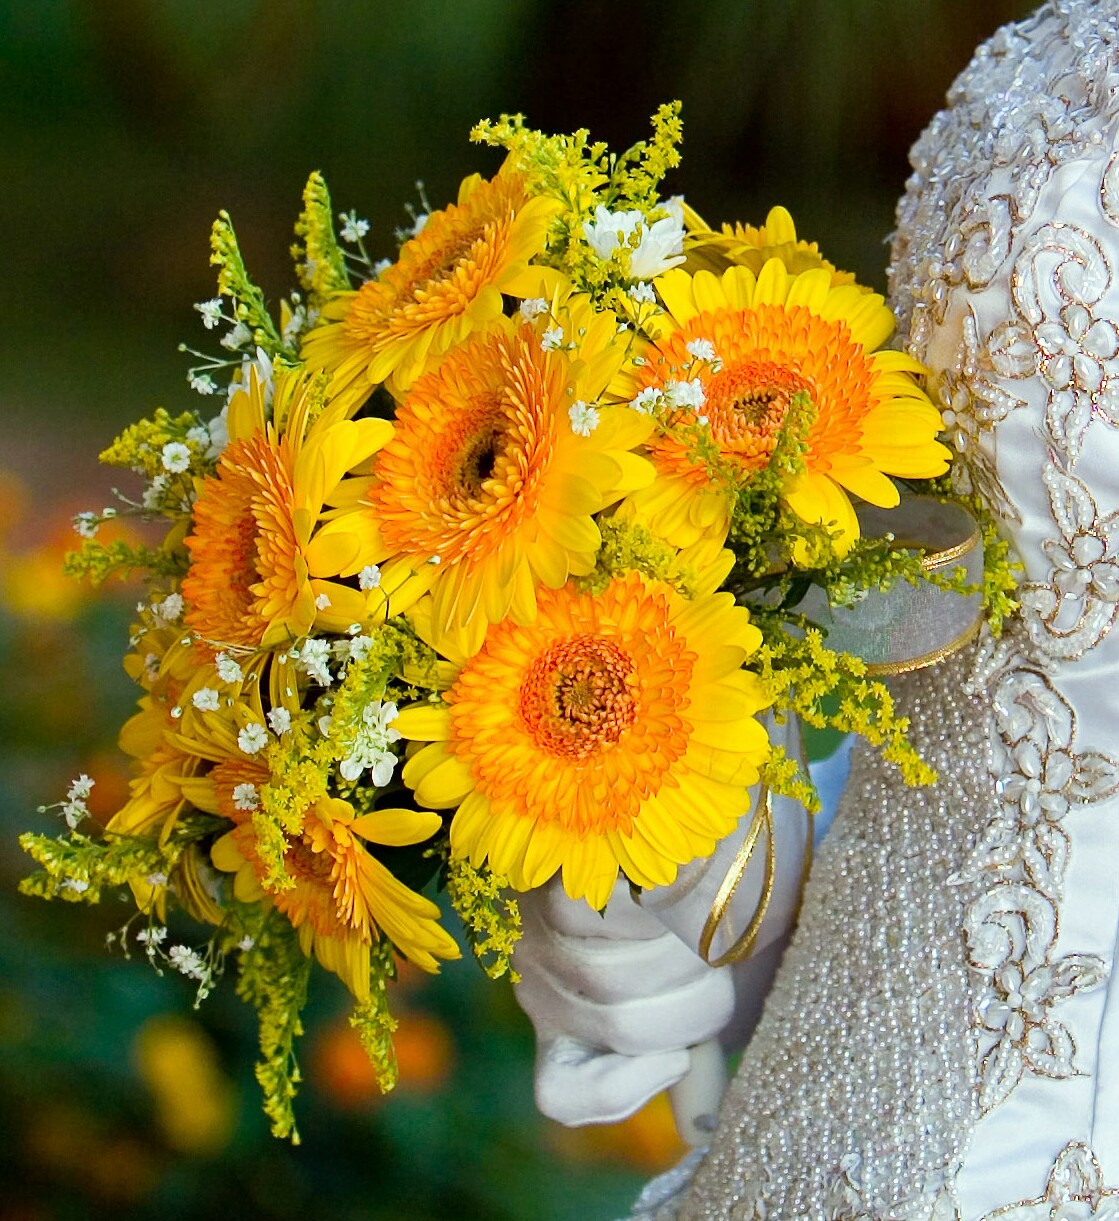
[[577, 696], [473, 442], [746, 405], [769, 354]]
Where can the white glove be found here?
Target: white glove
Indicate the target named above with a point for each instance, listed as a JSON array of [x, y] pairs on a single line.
[[616, 1001]]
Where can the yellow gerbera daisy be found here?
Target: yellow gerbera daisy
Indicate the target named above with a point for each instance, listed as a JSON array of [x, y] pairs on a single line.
[[342, 895], [752, 246], [615, 731], [742, 346], [489, 485], [253, 580], [448, 280]]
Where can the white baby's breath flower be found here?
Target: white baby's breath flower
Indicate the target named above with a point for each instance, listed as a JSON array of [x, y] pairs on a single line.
[[584, 418], [73, 812], [202, 383], [245, 797], [532, 308], [648, 401], [206, 699], [175, 457], [279, 720], [702, 349], [187, 961], [381, 266], [210, 311], [78, 885], [151, 936], [322, 602], [86, 524], [245, 944], [198, 436], [170, 608], [313, 659], [253, 738], [552, 339], [369, 577], [642, 294], [353, 227], [80, 788], [686, 394], [229, 671]]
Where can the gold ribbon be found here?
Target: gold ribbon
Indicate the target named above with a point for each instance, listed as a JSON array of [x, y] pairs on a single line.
[[762, 821]]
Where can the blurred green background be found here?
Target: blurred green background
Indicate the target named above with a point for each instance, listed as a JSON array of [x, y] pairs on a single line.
[[125, 125]]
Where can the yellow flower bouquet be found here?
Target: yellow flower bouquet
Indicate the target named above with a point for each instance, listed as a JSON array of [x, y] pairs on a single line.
[[484, 571]]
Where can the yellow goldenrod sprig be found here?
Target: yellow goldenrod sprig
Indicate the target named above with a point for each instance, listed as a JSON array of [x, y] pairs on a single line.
[[319, 259], [248, 300], [373, 1021], [489, 914], [273, 978]]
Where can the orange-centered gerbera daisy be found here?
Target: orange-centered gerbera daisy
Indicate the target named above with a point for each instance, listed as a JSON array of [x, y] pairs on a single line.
[[448, 280], [253, 580], [615, 731], [498, 463], [342, 895], [730, 354]]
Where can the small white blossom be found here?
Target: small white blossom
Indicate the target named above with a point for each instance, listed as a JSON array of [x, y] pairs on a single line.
[[322, 602], [198, 436], [358, 648], [87, 525], [369, 747], [170, 608], [295, 323], [210, 311], [228, 669], [353, 227], [702, 349], [649, 401], [151, 667], [313, 660], [253, 738], [156, 879], [701, 419], [206, 699], [659, 245], [245, 797], [279, 719], [584, 419], [175, 457], [246, 943], [381, 266], [532, 308], [151, 936], [81, 788], [418, 224], [552, 338], [187, 961], [686, 394], [78, 885], [369, 577], [202, 383], [155, 492], [236, 338], [260, 366], [642, 294], [74, 811]]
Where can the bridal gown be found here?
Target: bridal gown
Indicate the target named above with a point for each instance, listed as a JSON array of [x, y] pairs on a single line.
[[942, 1040]]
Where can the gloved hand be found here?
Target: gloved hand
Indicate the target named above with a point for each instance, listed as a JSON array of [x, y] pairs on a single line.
[[616, 1001]]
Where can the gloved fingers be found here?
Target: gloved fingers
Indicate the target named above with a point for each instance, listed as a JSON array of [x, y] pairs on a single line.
[[654, 1023], [606, 971], [621, 919], [576, 1084]]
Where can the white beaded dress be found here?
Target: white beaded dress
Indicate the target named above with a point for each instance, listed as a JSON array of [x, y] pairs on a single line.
[[942, 1039]]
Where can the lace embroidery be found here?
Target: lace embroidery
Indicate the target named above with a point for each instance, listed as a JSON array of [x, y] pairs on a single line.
[[1075, 1191]]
